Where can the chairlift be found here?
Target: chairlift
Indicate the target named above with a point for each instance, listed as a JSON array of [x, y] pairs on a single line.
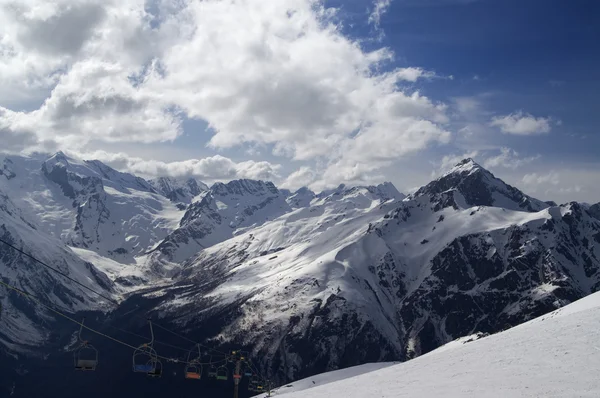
[[212, 370], [253, 383], [86, 355], [145, 358], [193, 369], [222, 373], [157, 369], [254, 380]]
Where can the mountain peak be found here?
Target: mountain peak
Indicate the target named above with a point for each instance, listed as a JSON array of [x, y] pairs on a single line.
[[387, 190], [468, 184], [244, 187], [58, 159], [467, 165], [178, 189]]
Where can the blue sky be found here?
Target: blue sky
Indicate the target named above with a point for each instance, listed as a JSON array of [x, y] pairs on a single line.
[[304, 93]]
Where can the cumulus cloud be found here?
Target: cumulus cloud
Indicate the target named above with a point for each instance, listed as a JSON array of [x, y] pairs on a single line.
[[302, 177], [213, 168], [521, 123], [269, 74], [412, 74]]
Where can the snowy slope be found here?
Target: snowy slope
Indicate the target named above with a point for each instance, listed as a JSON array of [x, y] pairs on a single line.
[[89, 205], [330, 377], [301, 198], [24, 325], [218, 214], [556, 355]]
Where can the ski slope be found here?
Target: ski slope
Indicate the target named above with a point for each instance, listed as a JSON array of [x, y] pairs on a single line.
[[556, 355]]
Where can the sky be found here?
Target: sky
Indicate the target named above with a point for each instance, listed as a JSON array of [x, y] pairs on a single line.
[[310, 92]]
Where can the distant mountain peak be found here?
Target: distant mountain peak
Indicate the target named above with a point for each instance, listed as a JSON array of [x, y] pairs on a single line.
[[387, 190], [59, 159], [178, 189], [244, 187], [301, 198], [466, 166], [476, 186]]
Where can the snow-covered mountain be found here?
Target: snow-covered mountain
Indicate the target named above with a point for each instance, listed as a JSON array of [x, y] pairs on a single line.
[[88, 205], [311, 282], [551, 356], [468, 184], [218, 214], [355, 278], [300, 198], [178, 190], [26, 326]]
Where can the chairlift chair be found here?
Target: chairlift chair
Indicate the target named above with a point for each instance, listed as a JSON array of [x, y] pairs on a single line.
[[157, 369], [253, 383], [193, 372], [86, 356], [212, 370], [193, 369], [222, 373], [145, 358]]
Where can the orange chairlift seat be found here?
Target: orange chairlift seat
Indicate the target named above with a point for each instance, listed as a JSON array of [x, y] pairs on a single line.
[[193, 369]]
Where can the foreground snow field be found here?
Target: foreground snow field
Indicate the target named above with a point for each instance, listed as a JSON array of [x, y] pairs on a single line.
[[556, 355]]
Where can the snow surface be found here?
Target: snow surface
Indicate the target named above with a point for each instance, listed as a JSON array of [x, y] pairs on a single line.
[[117, 215], [556, 355]]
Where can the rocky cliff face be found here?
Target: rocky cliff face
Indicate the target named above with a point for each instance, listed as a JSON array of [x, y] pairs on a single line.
[[179, 190]]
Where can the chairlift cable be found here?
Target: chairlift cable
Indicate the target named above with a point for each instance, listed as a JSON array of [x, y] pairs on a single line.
[[189, 340], [114, 302], [60, 272], [145, 338], [82, 325]]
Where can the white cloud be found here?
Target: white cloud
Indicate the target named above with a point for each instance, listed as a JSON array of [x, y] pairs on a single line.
[[535, 179], [265, 74], [259, 72], [380, 7], [213, 168], [302, 177], [520, 123], [412, 74], [508, 158]]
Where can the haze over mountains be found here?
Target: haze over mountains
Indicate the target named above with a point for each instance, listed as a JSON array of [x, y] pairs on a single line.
[[306, 281]]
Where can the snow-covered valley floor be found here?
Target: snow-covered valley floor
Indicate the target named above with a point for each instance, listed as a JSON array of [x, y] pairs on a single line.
[[556, 355]]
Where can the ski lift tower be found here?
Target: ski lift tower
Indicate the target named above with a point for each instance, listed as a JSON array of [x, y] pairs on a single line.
[[237, 375]]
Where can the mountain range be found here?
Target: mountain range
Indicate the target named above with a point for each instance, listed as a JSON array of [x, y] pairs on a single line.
[[307, 282]]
